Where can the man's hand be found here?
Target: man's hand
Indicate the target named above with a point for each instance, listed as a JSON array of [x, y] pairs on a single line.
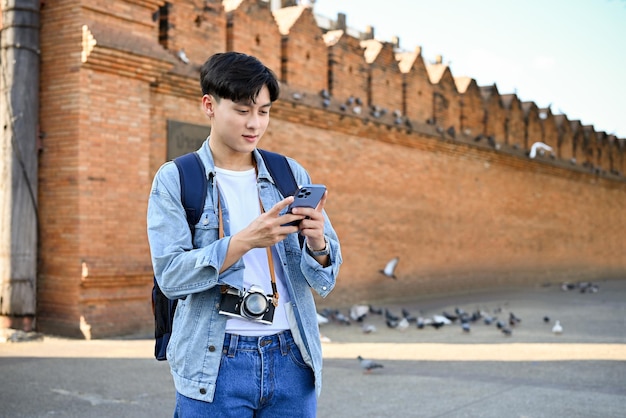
[[312, 226], [264, 231]]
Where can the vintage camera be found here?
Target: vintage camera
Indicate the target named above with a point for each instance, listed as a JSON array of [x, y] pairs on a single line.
[[251, 304]]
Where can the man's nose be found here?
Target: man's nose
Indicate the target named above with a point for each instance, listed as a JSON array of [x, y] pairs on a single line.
[[254, 121]]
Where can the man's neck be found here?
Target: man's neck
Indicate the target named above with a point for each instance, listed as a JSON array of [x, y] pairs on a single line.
[[228, 159]]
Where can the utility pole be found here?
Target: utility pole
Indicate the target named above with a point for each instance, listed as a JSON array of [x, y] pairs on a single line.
[[19, 117]]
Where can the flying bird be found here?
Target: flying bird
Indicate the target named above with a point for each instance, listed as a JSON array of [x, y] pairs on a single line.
[[368, 365], [538, 147], [390, 268], [182, 56]]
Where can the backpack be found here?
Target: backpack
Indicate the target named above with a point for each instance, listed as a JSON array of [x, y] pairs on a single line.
[[193, 189]]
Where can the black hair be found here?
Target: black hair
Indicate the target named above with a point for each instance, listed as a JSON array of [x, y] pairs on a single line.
[[238, 77]]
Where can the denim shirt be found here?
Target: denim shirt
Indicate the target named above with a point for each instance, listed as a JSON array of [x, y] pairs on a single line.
[[190, 273]]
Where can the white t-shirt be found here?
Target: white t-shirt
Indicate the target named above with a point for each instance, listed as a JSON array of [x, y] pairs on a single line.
[[239, 190]]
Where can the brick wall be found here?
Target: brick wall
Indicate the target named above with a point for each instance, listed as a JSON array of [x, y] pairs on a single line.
[[459, 213], [459, 216]]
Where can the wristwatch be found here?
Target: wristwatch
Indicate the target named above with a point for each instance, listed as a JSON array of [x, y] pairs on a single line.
[[319, 253]]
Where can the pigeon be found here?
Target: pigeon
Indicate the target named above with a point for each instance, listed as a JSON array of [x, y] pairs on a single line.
[[368, 328], [321, 319], [465, 326], [513, 319], [476, 315], [557, 328], [391, 317], [408, 316], [368, 365], [403, 324], [442, 319], [392, 323], [507, 331], [341, 318], [487, 319], [587, 287], [182, 56], [359, 312], [450, 316], [390, 268], [376, 311], [336, 316], [422, 322], [538, 146], [436, 325]]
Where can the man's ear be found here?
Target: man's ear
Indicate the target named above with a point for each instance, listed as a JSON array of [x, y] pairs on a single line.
[[208, 105]]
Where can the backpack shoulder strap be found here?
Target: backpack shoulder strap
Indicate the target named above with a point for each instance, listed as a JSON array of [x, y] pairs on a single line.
[[193, 186], [280, 171], [193, 189]]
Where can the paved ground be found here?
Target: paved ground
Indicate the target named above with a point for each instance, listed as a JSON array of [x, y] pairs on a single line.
[[427, 372]]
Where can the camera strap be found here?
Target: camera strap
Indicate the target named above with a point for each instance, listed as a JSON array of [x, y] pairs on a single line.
[[270, 258]]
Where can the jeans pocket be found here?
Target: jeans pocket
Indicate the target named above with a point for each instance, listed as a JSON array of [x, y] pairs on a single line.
[[296, 356]]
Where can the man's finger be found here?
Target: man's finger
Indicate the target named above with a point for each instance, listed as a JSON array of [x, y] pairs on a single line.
[[322, 202], [275, 210]]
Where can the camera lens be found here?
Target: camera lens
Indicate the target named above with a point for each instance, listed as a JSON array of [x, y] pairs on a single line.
[[255, 304]]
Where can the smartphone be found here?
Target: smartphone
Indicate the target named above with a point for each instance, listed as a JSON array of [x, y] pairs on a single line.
[[308, 196]]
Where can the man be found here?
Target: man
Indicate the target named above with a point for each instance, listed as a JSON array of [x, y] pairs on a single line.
[[225, 363]]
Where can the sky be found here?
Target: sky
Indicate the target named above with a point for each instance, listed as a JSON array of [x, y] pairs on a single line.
[[569, 55]]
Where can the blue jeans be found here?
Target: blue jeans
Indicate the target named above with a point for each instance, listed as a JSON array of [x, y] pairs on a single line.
[[260, 377]]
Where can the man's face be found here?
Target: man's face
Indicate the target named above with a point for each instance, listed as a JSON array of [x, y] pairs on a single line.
[[238, 125]]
